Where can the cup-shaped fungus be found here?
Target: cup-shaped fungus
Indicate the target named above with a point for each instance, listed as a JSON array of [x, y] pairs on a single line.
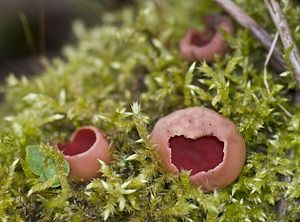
[[197, 46], [201, 141], [87, 146]]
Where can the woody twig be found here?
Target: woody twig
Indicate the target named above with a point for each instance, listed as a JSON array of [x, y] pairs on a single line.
[[257, 31], [285, 35]]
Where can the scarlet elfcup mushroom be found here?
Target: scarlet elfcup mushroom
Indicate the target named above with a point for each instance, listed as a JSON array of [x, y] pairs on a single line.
[[197, 45], [87, 146], [202, 141]]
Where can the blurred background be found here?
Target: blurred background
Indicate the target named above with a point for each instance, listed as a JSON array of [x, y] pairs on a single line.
[[33, 28]]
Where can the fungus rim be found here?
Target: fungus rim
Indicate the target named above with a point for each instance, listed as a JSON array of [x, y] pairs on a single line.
[[86, 150]]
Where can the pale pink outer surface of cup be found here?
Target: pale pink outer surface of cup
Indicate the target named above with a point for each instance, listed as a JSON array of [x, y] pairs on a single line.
[[216, 45], [194, 123], [85, 166]]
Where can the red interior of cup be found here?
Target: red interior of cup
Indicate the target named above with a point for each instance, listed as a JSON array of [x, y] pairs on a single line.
[[83, 140], [199, 39], [201, 154]]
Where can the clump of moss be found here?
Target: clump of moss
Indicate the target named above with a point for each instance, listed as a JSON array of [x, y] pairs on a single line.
[[134, 57]]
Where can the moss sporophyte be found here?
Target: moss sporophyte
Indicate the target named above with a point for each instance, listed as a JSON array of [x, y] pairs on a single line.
[[135, 56]]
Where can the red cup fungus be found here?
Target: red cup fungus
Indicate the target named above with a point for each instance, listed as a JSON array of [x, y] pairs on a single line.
[[201, 141], [197, 46], [87, 146]]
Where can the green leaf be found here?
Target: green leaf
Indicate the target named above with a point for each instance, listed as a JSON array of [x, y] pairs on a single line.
[[43, 167], [35, 159], [49, 172]]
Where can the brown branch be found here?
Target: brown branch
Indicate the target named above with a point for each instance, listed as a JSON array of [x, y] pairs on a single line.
[[287, 41], [27, 33], [285, 35], [257, 31], [282, 204], [42, 28]]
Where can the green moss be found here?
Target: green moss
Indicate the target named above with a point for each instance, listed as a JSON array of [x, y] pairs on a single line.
[[134, 57]]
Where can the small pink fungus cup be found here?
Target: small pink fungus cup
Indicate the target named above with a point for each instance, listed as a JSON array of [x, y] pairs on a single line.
[[88, 145], [198, 46], [203, 142]]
